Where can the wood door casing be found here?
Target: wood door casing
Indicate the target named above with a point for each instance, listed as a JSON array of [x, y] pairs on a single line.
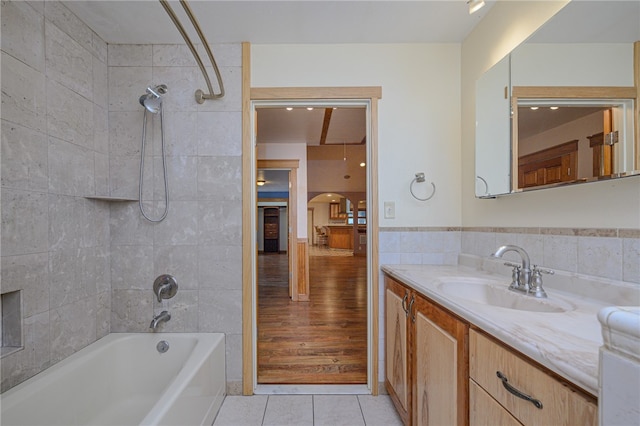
[[602, 164]]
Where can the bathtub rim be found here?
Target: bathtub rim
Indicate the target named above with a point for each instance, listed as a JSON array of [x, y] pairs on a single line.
[[206, 344]]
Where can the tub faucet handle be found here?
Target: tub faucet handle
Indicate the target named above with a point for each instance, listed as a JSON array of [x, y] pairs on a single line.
[[165, 287]]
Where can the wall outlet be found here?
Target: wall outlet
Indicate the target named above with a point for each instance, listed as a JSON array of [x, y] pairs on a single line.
[[389, 210]]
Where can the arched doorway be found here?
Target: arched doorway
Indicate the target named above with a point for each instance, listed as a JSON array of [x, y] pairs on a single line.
[[342, 219]]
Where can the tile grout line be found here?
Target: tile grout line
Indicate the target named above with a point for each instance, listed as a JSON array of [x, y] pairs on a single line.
[[264, 413], [364, 421]]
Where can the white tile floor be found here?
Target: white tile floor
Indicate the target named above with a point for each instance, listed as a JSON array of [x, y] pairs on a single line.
[[303, 410]]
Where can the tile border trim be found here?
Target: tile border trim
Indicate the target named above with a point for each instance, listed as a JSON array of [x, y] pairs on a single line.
[[577, 232]]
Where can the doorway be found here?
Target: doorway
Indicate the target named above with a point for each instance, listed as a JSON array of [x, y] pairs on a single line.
[[277, 182], [320, 98]]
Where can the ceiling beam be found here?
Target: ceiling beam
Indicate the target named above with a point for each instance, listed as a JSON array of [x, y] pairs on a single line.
[[325, 125]]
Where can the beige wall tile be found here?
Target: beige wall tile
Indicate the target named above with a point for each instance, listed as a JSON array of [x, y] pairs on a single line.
[[25, 158], [23, 94], [23, 33]]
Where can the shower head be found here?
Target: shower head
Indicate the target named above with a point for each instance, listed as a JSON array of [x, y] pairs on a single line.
[[152, 100]]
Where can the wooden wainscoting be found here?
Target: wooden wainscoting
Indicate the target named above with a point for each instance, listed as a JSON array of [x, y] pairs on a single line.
[[303, 269]]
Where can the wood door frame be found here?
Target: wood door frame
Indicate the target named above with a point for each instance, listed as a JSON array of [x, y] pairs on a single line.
[[292, 217], [369, 96]]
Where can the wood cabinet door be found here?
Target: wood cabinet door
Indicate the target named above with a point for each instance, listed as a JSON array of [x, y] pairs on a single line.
[[396, 356], [440, 370]]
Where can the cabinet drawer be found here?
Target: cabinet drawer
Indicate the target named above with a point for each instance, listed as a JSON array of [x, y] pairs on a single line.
[[485, 411], [559, 404], [271, 227]]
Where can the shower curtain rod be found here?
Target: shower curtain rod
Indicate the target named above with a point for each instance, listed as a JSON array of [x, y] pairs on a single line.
[[200, 95]]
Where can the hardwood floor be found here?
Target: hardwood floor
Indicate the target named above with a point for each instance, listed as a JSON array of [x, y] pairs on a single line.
[[323, 341]]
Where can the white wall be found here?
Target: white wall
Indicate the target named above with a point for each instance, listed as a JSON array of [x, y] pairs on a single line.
[[571, 64], [418, 117], [320, 213], [610, 204]]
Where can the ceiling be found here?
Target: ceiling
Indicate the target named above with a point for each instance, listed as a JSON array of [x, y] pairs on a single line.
[[335, 139], [590, 21], [533, 122], [311, 126], [265, 21]]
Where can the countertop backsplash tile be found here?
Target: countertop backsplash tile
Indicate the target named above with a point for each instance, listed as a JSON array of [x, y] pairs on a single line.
[[607, 253]]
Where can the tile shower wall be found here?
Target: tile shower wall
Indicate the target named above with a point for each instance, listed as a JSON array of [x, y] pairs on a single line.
[[200, 241], [55, 152]]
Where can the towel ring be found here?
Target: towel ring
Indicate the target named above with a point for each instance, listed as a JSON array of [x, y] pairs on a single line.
[[420, 178]]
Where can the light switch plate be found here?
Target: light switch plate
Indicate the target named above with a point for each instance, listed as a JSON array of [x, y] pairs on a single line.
[[389, 210]]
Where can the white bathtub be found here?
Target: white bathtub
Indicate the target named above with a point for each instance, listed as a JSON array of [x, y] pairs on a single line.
[[122, 379]]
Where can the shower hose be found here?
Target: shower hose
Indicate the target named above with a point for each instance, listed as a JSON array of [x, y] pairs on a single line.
[[164, 168]]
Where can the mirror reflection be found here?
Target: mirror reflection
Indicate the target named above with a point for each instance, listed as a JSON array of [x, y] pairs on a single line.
[[561, 142], [588, 136]]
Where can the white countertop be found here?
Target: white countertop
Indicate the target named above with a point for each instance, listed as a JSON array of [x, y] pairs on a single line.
[[567, 343]]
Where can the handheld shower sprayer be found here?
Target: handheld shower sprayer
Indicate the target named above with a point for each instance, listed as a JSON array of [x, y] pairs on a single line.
[[152, 100]]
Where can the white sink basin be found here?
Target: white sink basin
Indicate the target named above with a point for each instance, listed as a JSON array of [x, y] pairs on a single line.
[[490, 292]]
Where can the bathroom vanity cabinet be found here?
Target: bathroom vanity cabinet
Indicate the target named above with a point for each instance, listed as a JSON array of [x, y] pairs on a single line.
[[441, 369], [426, 359], [552, 401]]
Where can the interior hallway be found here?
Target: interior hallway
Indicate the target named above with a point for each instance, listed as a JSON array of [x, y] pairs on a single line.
[[323, 341]]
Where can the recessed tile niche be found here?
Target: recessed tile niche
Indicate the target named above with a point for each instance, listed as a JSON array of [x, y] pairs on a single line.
[[11, 305]]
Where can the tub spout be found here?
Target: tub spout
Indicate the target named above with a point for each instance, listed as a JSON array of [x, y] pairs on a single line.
[[163, 316]]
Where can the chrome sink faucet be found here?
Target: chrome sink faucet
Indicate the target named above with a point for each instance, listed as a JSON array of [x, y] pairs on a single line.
[[163, 316], [523, 278], [521, 274]]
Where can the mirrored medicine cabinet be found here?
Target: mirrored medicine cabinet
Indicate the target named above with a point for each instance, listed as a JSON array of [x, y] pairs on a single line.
[[561, 108]]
